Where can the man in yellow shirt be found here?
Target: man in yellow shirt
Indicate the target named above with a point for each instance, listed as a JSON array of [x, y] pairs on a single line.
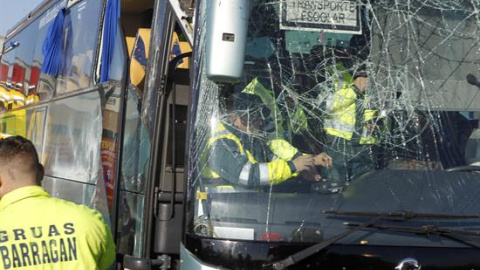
[[239, 154], [350, 126], [40, 232]]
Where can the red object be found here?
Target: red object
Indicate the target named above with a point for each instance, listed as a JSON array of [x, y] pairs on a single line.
[[274, 236], [3, 72]]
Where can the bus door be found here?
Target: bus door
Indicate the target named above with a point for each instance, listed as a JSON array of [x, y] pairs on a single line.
[[151, 194]]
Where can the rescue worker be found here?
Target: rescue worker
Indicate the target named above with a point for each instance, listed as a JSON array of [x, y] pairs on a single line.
[[349, 127], [284, 128], [238, 154], [40, 232]]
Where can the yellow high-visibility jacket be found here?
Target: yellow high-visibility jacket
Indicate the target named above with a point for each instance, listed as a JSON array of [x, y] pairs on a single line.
[[341, 112], [341, 116], [38, 232], [225, 158], [297, 119]]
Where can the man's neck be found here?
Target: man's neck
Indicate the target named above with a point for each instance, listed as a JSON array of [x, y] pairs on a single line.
[[5, 189]]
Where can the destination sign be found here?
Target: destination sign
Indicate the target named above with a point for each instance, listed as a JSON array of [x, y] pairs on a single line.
[[320, 15]]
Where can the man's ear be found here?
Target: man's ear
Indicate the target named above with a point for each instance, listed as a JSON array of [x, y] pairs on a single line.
[[40, 174], [2, 182]]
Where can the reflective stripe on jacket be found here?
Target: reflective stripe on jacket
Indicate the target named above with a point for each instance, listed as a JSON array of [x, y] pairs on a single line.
[[341, 110], [273, 171]]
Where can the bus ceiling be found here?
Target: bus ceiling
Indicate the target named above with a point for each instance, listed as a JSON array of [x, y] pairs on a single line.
[[139, 6], [136, 6], [141, 11]]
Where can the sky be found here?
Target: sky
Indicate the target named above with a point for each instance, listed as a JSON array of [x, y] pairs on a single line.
[[12, 11]]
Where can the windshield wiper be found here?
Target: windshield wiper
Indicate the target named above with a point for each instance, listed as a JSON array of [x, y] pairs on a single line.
[[401, 215], [456, 235], [293, 259], [396, 216]]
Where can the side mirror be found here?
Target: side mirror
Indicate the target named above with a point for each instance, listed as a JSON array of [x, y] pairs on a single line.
[[471, 79], [227, 25]]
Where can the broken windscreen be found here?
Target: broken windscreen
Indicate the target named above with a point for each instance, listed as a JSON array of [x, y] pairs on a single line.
[[342, 105]]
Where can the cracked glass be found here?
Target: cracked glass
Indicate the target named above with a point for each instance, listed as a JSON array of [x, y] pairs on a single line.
[[361, 106]]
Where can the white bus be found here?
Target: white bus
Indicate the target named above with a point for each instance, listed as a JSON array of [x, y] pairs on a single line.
[[126, 119]]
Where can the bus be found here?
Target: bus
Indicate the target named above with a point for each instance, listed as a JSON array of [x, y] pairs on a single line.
[[125, 103], [74, 79]]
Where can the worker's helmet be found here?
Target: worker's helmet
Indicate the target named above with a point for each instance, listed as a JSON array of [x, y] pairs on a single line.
[[252, 111]]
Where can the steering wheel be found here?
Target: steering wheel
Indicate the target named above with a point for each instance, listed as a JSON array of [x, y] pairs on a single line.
[[463, 169]]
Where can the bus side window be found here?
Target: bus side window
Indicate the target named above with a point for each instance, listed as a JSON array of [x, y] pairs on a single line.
[[42, 85], [4, 94], [80, 40], [23, 73]]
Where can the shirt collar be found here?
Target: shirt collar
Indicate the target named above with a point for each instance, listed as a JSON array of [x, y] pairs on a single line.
[[20, 194], [357, 91]]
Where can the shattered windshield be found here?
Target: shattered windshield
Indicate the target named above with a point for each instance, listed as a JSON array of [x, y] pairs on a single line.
[[367, 106]]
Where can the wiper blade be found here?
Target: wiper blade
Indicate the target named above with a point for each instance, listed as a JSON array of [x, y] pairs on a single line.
[[293, 259], [457, 235], [401, 215], [425, 229]]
